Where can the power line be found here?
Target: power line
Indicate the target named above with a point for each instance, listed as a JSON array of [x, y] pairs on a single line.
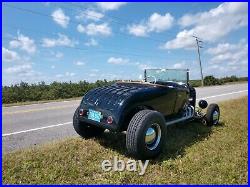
[[77, 48], [85, 49], [121, 20], [56, 34], [74, 22], [114, 19], [47, 15]]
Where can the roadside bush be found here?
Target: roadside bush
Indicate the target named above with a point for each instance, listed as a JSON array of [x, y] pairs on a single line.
[[195, 83], [57, 90], [211, 80]]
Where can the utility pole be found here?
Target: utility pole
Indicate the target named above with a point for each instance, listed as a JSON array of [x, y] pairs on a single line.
[[198, 41]]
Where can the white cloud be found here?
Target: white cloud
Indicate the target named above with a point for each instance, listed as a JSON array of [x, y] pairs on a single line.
[[128, 62], [24, 43], [110, 5], [231, 54], [183, 39], [225, 47], [179, 65], [55, 55], [8, 55], [92, 74], [138, 30], [79, 63], [142, 66], [67, 74], [222, 71], [91, 42], [90, 15], [23, 69], [95, 29], [24, 72], [155, 23], [59, 75], [159, 23], [80, 28], [113, 60], [59, 54], [210, 25], [60, 18], [62, 40], [53, 67]]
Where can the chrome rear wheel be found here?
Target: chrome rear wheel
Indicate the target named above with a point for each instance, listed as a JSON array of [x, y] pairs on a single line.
[[153, 136]]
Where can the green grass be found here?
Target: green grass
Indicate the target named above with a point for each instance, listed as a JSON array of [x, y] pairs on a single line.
[[193, 154]]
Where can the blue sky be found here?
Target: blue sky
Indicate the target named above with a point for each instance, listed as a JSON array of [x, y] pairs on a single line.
[[89, 41]]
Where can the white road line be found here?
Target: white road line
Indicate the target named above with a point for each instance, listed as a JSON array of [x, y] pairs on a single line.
[[51, 126], [35, 129], [17, 106], [213, 96], [66, 101], [34, 104]]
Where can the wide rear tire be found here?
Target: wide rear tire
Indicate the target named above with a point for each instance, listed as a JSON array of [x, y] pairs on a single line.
[[146, 134], [85, 130]]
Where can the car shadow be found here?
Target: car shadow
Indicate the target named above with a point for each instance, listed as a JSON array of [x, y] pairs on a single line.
[[182, 136], [114, 141], [179, 137]]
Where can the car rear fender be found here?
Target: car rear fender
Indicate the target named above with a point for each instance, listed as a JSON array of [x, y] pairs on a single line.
[[129, 113]]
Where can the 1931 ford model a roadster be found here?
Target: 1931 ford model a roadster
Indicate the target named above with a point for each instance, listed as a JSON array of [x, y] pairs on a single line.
[[143, 109]]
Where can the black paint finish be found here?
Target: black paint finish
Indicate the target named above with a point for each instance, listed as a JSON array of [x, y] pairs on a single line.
[[123, 99]]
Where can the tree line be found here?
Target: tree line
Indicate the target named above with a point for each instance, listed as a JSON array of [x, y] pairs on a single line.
[[63, 90], [38, 92], [211, 80]]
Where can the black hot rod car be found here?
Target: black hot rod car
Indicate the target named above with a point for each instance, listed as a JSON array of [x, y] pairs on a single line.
[[143, 109]]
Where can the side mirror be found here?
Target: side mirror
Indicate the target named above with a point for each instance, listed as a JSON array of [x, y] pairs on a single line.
[[203, 104]]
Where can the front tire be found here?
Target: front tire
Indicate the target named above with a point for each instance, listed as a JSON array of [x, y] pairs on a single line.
[[213, 115], [85, 130], [146, 134]]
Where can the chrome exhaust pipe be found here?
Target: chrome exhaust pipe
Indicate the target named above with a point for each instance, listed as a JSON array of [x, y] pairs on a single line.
[[189, 114]]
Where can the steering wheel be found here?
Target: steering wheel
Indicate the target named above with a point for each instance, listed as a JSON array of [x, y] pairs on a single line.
[[153, 78]]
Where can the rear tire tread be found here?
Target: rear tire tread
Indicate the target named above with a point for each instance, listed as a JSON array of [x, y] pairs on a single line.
[[136, 121], [136, 130]]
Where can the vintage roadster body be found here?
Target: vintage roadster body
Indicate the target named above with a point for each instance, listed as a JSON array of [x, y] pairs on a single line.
[[143, 109]]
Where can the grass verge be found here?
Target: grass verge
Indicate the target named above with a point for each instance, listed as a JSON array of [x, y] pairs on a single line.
[[194, 154]]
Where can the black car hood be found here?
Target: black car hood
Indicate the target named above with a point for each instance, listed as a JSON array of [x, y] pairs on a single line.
[[110, 97]]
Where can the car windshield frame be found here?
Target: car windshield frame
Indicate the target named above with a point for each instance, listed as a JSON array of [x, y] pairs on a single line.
[[166, 75]]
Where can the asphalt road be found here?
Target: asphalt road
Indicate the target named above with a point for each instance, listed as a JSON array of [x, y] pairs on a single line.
[[30, 125]]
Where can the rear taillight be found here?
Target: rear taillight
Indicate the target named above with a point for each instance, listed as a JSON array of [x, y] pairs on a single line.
[[109, 120], [82, 112]]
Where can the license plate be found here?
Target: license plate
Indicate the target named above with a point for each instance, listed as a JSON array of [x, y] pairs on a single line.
[[94, 115]]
